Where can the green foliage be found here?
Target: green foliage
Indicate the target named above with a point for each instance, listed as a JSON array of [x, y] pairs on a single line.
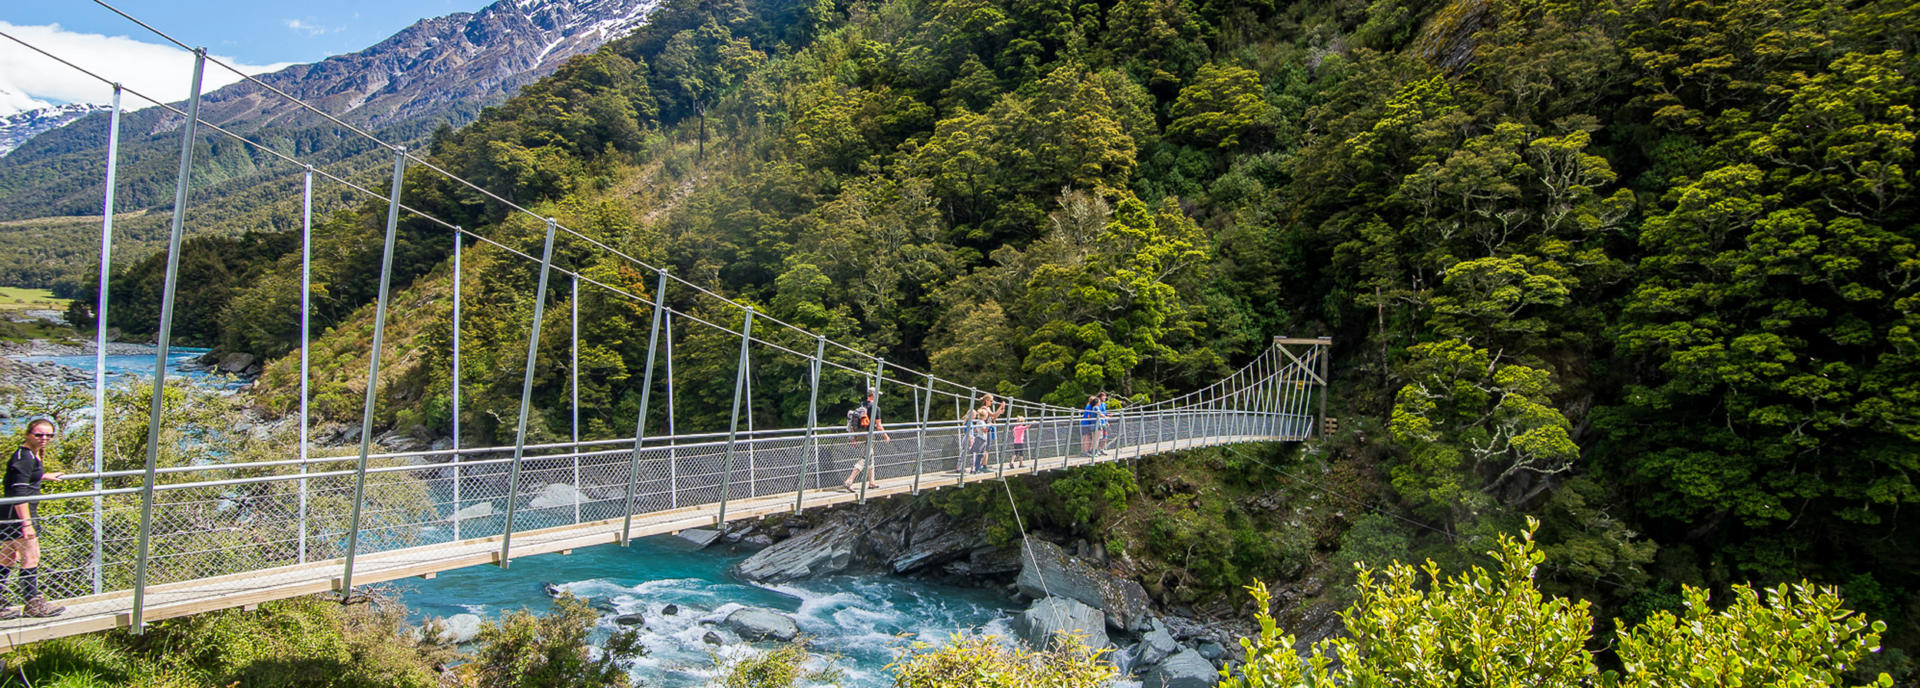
[[523, 650], [1100, 489], [1221, 104], [1496, 628], [779, 667], [1469, 420], [1796, 635], [984, 661], [1643, 270], [301, 642]]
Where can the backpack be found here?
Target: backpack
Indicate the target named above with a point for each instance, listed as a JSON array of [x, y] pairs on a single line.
[[857, 418]]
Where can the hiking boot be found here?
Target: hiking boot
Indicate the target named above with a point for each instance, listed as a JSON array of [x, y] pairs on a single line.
[[39, 607], [8, 612]]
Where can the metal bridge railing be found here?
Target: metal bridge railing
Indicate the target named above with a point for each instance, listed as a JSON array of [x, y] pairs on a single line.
[[215, 520]]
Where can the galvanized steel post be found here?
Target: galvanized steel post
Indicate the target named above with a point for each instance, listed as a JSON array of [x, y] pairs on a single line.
[[573, 377], [455, 383], [306, 333], [373, 370], [646, 396], [811, 448], [1326, 384], [138, 621], [526, 396], [673, 447], [100, 338], [733, 425], [921, 409]]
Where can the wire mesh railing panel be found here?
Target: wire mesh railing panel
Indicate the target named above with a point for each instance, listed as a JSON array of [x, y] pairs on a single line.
[[212, 521]]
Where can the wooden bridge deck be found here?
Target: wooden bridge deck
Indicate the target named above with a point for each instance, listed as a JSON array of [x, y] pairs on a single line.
[[114, 609]]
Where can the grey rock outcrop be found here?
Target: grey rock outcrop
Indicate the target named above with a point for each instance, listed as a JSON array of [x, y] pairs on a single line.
[[932, 541], [814, 553], [1212, 651], [631, 619], [753, 624], [1048, 617], [1185, 669], [1051, 571], [850, 538], [698, 537], [1155, 646], [236, 362]]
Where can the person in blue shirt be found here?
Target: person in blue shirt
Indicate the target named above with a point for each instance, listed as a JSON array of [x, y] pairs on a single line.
[[1091, 420]]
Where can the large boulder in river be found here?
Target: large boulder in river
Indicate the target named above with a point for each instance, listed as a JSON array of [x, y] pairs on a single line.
[[236, 362], [1048, 617], [1185, 669], [753, 624], [840, 540], [473, 511], [814, 553], [1050, 571], [555, 495]]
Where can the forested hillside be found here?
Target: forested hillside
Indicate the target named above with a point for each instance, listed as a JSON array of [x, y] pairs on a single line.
[[1646, 270]]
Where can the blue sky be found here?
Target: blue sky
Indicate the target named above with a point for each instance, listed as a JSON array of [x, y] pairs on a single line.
[[254, 36]]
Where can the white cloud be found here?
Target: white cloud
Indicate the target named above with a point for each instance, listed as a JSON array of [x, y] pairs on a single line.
[[309, 28], [11, 102], [164, 72]]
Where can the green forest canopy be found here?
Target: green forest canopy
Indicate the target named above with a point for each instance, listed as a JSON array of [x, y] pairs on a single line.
[[1644, 269]]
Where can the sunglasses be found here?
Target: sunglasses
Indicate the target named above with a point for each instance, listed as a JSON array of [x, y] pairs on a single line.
[[43, 434]]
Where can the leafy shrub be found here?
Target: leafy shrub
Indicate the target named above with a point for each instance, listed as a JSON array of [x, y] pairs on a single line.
[[779, 667], [1496, 628], [521, 650], [301, 642], [1096, 490], [982, 661]]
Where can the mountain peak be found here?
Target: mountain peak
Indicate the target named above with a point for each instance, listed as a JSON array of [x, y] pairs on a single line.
[[439, 62], [16, 128]]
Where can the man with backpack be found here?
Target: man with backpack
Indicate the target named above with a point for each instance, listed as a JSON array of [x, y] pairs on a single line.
[[862, 420]]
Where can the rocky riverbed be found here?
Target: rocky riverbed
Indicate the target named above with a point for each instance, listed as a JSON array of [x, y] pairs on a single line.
[[22, 374], [1058, 586]]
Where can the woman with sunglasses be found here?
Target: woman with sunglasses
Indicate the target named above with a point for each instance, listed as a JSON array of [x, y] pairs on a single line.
[[19, 544]]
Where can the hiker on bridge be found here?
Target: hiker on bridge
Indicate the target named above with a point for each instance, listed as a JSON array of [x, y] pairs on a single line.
[[1093, 426], [19, 543], [858, 421], [980, 431]]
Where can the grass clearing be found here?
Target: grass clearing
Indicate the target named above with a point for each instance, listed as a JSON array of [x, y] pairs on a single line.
[[16, 300]]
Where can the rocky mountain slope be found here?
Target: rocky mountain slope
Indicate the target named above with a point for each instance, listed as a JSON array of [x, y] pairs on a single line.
[[16, 128], [435, 65], [440, 70]]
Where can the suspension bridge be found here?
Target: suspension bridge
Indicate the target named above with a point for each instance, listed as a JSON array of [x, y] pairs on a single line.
[[134, 546]]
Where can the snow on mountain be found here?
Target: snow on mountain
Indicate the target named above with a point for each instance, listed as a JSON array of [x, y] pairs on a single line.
[[437, 63], [16, 128]]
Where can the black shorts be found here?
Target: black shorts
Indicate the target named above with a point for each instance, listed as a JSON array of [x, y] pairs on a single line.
[[1019, 449], [10, 528]]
